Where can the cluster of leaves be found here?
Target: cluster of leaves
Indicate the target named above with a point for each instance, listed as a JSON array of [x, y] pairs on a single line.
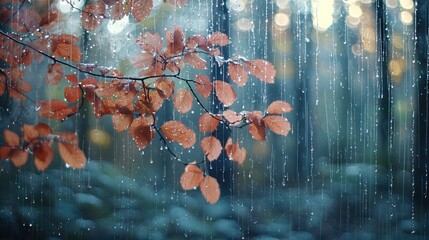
[[132, 102]]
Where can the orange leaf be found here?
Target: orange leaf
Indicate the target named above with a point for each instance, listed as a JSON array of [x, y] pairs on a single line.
[[72, 93], [232, 117], [234, 152], [70, 151], [54, 109], [203, 85], [150, 42], [11, 138], [55, 73], [257, 131], [29, 132], [210, 189], [191, 177], [178, 132], [261, 69], [195, 61], [218, 38], [4, 152], [68, 51], [208, 123], [212, 147], [18, 157], [166, 86], [121, 121], [279, 107], [93, 15], [43, 129], [72, 78], [50, 19], [225, 92], [278, 124], [43, 155], [141, 131], [141, 9], [182, 100], [238, 74]]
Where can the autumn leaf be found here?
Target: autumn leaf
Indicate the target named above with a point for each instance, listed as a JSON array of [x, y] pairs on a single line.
[[203, 85], [279, 107], [121, 121], [72, 78], [191, 177], [277, 124], [176, 131], [43, 155], [224, 92], [68, 51], [256, 126], [218, 38], [55, 74], [54, 109], [195, 61], [18, 157], [238, 74], [176, 40], [70, 151], [29, 132], [143, 60], [43, 129], [210, 189], [232, 117], [261, 69], [141, 9], [150, 42], [166, 86], [72, 93], [142, 132], [182, 101], [177, 3], [211, 147], [234, 152], [208, 123], [93, 15]]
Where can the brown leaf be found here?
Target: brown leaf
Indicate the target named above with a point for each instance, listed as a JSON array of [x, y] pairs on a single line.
[[68, 51], [232, 117], [203, 85], [4, 152], [261, 69], [166, 86], [210, 189], [279, 107], [224, 92], [55, 74], [182, 101], [238, 74], [208, 123], [150, 42], [54, 109], [72, 78], [69, 150], [43, 129], [141, 9], [43, 155], [72, 93], [176, 40], [118, 10], [234, 152], [195, 61], [29, 132], [11, 138], [211, 147], [18, 157], [177, 132], [121, 121], [191, 177], [143, 60], [257, 131], [93, 15], [277, 124], [142, 132], [218, 38], [50, 19]]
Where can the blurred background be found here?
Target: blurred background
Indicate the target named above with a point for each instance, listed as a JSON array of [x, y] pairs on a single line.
[[354, 166]]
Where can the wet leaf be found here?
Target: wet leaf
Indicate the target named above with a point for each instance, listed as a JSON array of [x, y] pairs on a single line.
[[238, 74], [29, 132], [191, 177], [278, 125], [54, 109], [43, 155], [11, 138], [211, 147], [141, 9], [70, 151], [150, 42], [121, 121], [195, 61], [218, 38], [18, 157], [68, 51], [261, 69], [93, 15], [176, 40], [232, 117], [55, 74], [234, 152], [257, 131], [176, 131], [43, 129], [208, 123], [224, 92], [210, 189], [72, 93], [166, 86], [182, 101], [143, 60], [279, 107], [72, 78], [203, 85], [142, 132]]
